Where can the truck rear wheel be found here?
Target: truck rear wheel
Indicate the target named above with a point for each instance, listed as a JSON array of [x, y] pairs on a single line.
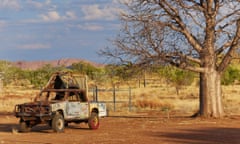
[[24, 126], [58, 123], [93, 121]]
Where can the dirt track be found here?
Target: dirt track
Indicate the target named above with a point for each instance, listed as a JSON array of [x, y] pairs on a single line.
[[133, 129]]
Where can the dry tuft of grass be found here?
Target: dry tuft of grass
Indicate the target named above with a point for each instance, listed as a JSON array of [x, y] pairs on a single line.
[[153, 104]]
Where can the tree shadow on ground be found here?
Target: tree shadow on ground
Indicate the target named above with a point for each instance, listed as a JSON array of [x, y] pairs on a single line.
[[201, 136], [133, 117], [42, 128], [148, 116], [10, 127]]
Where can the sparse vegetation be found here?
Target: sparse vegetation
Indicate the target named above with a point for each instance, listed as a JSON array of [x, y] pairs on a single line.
[[161, 96], [231, 75], [176, 77]]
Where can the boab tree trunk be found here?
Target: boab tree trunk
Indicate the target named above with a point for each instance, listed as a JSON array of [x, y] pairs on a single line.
[[210, 94]]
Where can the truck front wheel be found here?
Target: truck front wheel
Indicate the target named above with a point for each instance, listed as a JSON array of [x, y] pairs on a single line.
[[24, 126], [58, 123], [93, 121]]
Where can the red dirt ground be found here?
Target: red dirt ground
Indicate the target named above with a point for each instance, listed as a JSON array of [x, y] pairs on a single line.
[[138, 128]]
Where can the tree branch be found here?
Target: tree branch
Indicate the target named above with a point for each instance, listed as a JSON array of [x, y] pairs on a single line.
[[187, 67], [182, 27], [228, 15], [234, 45], [222, 48], [195, 6]]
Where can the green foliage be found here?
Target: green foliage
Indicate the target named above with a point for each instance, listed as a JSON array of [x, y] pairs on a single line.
[[110, 73], [16, 76], [40, 77], [86, 68], [10, 74], [122, 72], [176, 77], [231, 75]]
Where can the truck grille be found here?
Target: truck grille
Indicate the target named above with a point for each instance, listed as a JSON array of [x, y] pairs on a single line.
[[38, 110]]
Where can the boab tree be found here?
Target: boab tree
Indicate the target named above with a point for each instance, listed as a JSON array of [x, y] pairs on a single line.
[[195, 35]]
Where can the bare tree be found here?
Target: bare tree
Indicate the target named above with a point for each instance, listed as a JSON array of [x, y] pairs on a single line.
[[195, 35]]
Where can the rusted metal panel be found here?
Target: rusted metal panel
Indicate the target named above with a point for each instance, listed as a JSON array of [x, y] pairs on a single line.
[[77, 110]]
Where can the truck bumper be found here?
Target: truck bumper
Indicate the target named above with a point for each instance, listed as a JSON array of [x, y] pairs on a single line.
[[31, 116]]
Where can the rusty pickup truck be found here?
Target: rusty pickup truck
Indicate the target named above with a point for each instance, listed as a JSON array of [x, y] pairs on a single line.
[[62, 101]]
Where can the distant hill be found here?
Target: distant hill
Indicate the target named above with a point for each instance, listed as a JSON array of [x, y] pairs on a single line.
[[33, 65]]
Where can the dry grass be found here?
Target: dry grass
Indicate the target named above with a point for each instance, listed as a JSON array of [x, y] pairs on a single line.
[[153, 104], [231, 99], [163, 98], [15, 95]]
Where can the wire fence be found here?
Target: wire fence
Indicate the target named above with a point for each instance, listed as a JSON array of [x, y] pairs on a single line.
[[115, 98], [146, 82], [122, 99], [1, 84]]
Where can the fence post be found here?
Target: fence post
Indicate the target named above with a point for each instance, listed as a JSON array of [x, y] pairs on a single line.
[[114, 98], [1, 84], [144, 83], [96, 93], [139, 83], [130, 100], [93, 93]]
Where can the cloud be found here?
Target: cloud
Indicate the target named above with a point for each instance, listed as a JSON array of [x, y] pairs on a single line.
[[41, 5], [10, 4], [36, 4], [96, 12], [121, 1], [69, 15], [2, 23], [54, 16], [35, 46], [91, 27], [51, 16]]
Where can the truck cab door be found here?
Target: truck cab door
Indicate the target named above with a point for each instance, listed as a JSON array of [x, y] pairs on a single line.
[[77, 109]]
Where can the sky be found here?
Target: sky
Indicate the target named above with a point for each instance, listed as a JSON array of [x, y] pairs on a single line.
[[33, 30]]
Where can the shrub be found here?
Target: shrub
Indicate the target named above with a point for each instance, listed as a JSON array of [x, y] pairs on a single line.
[[176, 77], [153, 104], [230, 76]]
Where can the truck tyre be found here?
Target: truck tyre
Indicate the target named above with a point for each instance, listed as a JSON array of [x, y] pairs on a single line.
[[58, 123], [93, 121], [24, 126]]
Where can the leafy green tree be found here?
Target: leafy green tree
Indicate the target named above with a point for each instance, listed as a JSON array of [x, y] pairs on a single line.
[[123, 72], [231, 75], [41, 76], [86, 68], [176, 77], [10, 73]]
